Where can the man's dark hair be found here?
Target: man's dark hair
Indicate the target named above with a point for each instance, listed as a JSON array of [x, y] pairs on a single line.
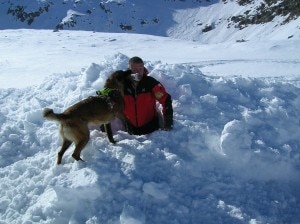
[[135, 60]]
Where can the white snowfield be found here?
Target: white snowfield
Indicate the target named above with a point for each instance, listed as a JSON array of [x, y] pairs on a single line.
[[232, 157]]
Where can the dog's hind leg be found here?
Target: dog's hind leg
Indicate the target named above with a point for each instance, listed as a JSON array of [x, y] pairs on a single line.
[[66, 144], [79, 146], [109, 133], [83, 137]]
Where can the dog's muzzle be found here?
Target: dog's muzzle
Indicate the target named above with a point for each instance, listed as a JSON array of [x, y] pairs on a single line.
[[136, 77]]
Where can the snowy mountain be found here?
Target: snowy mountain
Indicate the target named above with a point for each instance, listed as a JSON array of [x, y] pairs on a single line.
[[199, 20]]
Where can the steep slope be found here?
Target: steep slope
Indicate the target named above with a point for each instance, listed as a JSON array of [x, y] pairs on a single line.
[[199, 20]]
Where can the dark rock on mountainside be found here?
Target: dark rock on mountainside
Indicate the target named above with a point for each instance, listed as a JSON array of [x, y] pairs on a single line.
[[20, 13], [266, 12]]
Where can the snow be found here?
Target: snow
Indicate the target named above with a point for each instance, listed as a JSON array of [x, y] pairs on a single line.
[[232, 157], [182, 19]]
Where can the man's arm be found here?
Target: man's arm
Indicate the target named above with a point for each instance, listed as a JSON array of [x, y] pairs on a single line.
[[166, 101]]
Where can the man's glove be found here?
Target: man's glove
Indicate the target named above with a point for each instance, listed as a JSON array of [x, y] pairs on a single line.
[[168, 122], [168, 116]]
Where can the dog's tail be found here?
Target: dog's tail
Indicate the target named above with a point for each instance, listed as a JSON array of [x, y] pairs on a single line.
[[50, 115]]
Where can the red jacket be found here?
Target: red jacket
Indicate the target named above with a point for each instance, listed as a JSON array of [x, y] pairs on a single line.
[[140, 104]]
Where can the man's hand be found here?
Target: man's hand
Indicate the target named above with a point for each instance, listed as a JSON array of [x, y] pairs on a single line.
[[168, 122], [168, 114]]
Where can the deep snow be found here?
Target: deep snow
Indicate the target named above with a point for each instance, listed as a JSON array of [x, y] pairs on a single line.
[[232, 157]]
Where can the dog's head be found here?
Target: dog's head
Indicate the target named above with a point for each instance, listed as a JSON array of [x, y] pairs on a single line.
[[117, 80]]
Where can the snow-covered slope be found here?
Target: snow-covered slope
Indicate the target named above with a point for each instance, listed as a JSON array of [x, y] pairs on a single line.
[[206, 21], [232, 157]]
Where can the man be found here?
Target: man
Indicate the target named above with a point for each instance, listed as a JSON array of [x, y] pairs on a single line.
[[140, 96]]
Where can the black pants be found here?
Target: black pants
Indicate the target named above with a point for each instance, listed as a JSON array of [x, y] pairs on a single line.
[[145, 129]]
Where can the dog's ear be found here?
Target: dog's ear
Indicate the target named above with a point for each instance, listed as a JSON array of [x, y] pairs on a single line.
[[121, 75], [127, 74]]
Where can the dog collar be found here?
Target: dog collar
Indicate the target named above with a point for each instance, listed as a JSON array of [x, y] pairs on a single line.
[[104, 91]]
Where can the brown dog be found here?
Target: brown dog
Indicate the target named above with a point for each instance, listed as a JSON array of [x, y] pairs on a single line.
[[94, 110]]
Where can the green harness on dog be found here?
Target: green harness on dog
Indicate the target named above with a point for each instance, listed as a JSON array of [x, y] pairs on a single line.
[[104, 91]]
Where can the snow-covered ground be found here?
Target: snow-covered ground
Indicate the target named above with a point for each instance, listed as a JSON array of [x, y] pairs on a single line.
[[232, 157]]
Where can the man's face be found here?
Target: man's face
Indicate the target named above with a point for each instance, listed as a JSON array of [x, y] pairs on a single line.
[[137, 68]]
